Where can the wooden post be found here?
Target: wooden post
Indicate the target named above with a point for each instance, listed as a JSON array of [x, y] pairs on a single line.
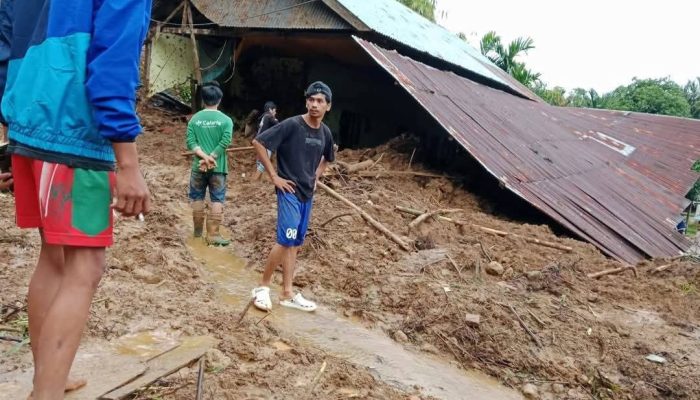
[[146, 76], [195, 54]]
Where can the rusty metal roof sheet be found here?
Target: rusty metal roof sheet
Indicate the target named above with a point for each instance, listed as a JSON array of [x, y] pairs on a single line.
[[615, 179], [271, 14]]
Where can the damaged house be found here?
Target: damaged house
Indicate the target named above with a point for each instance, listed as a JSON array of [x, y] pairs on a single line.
[[615, 179]]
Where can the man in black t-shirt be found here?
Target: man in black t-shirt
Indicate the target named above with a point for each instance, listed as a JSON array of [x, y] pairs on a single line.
[[304, 146], [268, 120]]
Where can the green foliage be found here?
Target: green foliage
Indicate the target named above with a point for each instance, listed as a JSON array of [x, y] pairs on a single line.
[[653, 96], [555, 96], [184, 91], [695, 191], [692, 94], [580, 97], [425, 8]]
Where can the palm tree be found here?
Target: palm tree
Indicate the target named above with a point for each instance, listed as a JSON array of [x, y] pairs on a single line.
[[524, 75], [505, 57]]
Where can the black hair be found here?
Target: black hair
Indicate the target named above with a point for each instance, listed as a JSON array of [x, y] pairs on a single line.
[[211, 93], [269, 106]]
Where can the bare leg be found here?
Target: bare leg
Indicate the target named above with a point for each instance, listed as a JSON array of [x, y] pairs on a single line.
[[273, 261], [65, 320], [43, 288], [289, 263]]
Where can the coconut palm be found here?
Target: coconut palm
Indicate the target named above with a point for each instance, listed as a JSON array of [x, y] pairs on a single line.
[[505, 57]]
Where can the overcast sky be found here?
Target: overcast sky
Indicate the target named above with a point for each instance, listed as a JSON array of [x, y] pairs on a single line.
[[597, 44]]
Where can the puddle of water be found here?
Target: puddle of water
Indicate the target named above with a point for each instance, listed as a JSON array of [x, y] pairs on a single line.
[[145, 345], [388, 360]]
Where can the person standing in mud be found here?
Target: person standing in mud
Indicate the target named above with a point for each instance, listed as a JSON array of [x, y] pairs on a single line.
[[209, 134], [268, 120], [68, 77], [304, 146]]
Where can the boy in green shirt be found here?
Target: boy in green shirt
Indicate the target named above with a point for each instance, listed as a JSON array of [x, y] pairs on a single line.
[[209, 133]]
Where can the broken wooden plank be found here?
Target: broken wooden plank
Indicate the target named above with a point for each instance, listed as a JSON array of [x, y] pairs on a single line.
[[167, 364], [612, 271], [662, 268], [103, 372], [95, 362]]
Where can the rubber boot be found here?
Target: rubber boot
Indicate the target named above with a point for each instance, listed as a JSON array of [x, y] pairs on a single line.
[[213, 236], [198, 217]]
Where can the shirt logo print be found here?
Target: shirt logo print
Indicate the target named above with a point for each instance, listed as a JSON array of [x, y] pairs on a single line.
[[208, 124]]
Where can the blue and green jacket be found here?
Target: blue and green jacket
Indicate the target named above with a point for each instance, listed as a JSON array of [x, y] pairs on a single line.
[[69, 70]]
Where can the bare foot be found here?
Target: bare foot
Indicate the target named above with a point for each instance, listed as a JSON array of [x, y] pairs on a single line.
[[71, 385], [75, 384]]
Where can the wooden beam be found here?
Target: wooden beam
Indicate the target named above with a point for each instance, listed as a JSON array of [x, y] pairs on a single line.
[[195, 50]]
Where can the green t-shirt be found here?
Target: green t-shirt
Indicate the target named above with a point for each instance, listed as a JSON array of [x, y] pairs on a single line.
[[212, 131]]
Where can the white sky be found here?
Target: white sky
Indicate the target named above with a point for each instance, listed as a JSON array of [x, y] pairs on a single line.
[[598, 44]]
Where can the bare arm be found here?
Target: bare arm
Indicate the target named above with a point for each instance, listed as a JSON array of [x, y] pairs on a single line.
[[281, 184], [322, 166], [131, 192], [5, 180]]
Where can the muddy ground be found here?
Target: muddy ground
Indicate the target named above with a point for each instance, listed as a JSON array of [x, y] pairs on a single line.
[[590, 338]]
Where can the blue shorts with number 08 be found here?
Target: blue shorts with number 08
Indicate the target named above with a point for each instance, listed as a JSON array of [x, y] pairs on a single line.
[[292, 219]]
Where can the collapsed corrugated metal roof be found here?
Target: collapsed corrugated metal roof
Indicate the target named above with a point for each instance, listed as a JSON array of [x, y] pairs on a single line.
[[401, 24], [616, 180], [271, 14]]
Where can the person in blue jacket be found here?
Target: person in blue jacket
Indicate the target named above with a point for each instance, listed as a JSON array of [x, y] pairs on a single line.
[[69, 71]]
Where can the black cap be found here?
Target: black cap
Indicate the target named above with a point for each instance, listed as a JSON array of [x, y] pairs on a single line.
[[319, 87], [269, 106]]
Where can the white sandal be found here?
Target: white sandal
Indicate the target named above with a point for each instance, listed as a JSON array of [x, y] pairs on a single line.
[[261, 298], [300, 303]]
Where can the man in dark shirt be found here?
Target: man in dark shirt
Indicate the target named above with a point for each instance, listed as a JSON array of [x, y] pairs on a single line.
[[268, 120], [304, 146]]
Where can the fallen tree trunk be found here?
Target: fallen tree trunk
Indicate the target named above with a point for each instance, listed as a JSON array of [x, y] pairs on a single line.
[[492, 231], [376, 224], [229, 150]]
